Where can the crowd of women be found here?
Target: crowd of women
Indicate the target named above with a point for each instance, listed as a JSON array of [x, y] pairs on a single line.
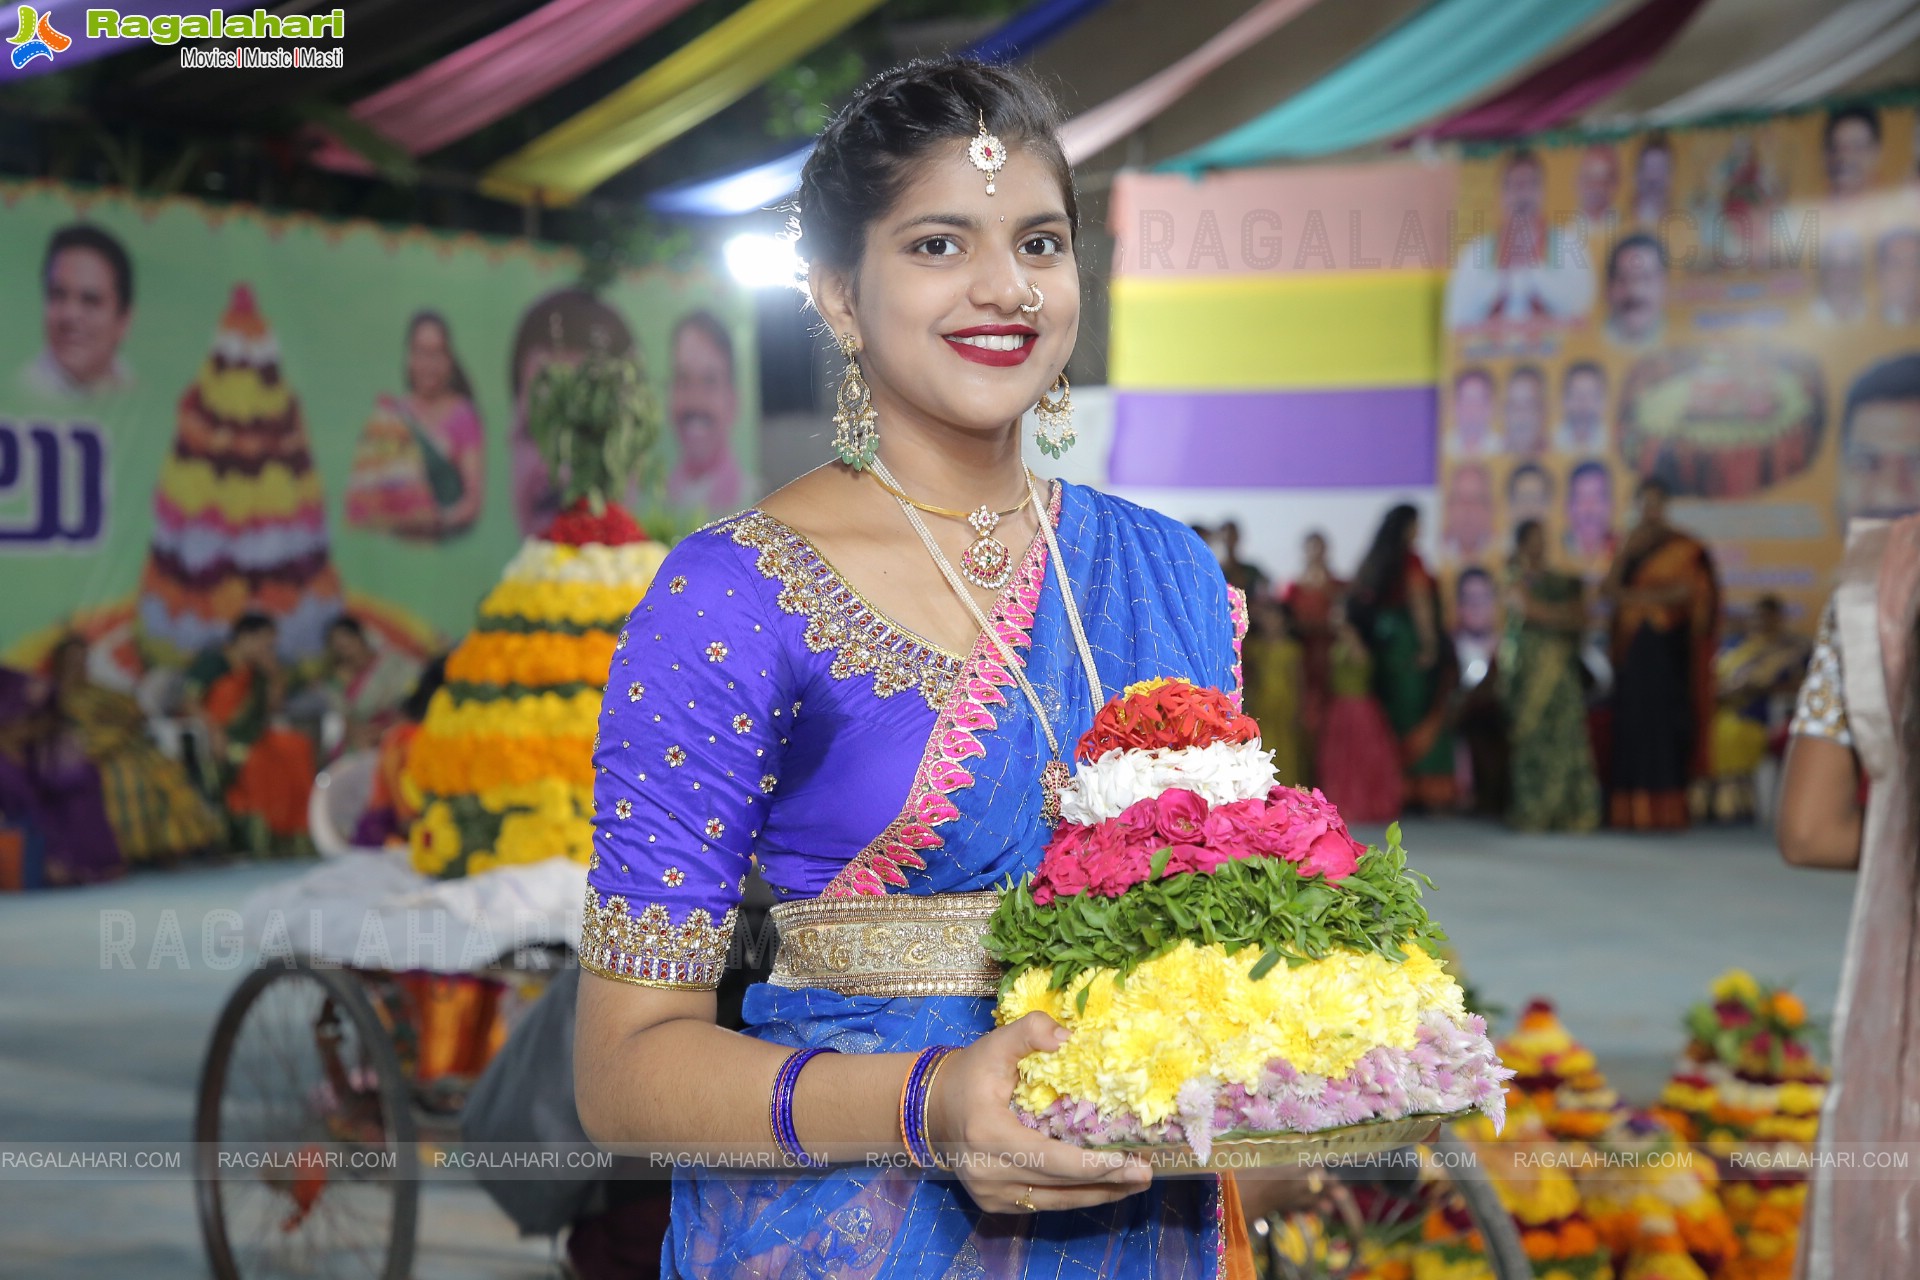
[[87, 791], [1575, 704]]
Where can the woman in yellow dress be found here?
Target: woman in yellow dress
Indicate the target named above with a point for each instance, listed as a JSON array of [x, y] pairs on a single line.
[[157, 813]]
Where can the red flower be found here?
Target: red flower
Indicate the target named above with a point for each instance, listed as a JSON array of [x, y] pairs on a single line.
[[577, 526], [1175, 714]]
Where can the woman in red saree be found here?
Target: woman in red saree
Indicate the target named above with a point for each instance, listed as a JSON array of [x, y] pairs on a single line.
[[238, 690], [1666, 611], [1309, 600], [1856, 733]]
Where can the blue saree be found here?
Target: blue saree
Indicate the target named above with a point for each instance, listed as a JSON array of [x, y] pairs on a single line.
[[759, 710]]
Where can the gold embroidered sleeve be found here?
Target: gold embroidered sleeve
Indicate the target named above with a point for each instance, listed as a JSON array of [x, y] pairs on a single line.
[[645, 947]]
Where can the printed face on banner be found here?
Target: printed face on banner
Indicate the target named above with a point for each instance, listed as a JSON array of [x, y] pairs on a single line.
[[1752, 340], [214, 411], [86, 308]]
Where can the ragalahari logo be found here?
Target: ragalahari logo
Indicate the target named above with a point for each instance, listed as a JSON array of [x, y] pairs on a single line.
[[37, 38]]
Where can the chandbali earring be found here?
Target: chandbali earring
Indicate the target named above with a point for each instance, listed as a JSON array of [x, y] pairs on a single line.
[[1054, 418], [856, 427]]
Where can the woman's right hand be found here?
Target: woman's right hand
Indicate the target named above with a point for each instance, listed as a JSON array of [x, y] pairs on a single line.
[[999, 1160]]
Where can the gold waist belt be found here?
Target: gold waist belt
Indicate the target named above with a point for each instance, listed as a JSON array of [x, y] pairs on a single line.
[[896, 945]]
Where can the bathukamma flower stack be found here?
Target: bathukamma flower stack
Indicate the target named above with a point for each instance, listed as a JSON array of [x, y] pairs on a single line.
[[504, 759], [1230, 961]]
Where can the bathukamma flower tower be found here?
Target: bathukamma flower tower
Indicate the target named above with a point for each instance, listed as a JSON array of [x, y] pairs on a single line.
[[239, 521], [1232, 964], [504, 759], [503, 762]]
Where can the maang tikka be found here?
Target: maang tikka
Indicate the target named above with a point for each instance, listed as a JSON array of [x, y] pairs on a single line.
[[988, 156], [856, 427]]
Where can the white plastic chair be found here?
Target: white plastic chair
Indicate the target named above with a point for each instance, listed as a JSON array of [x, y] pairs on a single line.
[[340, 796]]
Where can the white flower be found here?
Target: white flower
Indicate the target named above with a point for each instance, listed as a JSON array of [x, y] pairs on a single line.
[[1219, 773]]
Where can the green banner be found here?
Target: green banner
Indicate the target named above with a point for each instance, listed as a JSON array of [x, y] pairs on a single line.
[[206, 410]]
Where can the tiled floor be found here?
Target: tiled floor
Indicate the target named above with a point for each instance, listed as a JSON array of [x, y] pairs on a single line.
[[1623, 932]]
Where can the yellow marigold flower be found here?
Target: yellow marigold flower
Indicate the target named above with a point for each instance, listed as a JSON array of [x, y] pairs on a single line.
[[1799, 1099], [1196, 1011], [434, 840], [1736, 984], [1139, 687], [1788, 1010]]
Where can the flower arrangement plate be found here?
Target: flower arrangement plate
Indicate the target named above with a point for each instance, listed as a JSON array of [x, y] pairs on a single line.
[[1233, 1151]]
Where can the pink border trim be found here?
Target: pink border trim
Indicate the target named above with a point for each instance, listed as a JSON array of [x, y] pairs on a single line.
[[955, 738], [1237, 610]]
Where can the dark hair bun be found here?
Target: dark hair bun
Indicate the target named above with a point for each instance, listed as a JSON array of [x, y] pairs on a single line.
[[866, 155]]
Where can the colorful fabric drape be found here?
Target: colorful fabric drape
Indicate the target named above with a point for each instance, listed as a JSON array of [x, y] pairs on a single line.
[[757, 187], [1569, 85], [1448, 52], [499, 73], [670, 97], [1092, 131], [1802, 69]]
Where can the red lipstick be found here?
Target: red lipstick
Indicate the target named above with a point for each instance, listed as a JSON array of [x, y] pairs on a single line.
[[985, 355]]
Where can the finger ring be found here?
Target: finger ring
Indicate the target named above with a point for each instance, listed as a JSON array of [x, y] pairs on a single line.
[[1026, 1201]]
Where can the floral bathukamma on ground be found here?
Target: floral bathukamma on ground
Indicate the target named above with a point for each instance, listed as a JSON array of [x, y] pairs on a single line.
[[1232, 964], [504, 759]]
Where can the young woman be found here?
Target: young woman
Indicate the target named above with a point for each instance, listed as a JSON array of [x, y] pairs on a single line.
[[1309, 601], [811, 686], [157, 813], [1850, 800], [1396, 607], [1554, 785], [419, 469], [1666, 611]]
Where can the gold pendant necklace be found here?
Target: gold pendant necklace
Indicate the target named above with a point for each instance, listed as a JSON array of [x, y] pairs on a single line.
[[987, 562], [1055, 776]]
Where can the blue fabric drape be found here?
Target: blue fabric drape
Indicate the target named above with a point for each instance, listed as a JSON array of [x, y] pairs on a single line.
[[745, 190], [1450, 52]]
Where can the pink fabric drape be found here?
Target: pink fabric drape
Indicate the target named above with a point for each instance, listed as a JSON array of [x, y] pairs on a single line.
[[499, 73], [1569, 85], [1098, 128]]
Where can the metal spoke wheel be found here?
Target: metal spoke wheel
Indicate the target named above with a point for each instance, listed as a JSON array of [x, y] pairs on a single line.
[[1363, 1210], [305, 1162]]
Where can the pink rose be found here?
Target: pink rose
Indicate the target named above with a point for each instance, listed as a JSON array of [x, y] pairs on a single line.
[[1333, 856], [1066, 876], [1141, 819], [1114, 863], [1307, 829], [1180, 816]]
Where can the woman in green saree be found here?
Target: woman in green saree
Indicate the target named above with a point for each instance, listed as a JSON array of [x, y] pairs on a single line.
[[1396, 607], [1554, 784]]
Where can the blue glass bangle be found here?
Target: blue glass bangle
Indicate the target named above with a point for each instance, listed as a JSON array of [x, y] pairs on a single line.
[[913, 1105], [780, 1108]]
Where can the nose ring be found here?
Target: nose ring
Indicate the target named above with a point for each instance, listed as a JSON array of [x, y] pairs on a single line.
[[1039, 301]]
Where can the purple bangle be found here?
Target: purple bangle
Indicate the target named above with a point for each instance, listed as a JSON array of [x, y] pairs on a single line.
[[913, 1105], [780, 1108]]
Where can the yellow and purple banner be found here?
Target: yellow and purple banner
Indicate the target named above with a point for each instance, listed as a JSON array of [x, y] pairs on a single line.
[[1732, 310], [1260, 317]]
